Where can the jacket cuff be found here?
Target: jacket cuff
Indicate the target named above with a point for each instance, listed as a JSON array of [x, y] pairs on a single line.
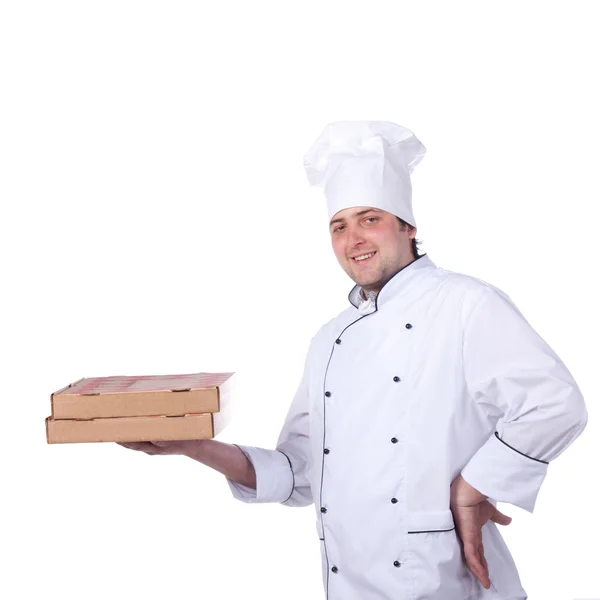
[[274, 478], [504, 474]]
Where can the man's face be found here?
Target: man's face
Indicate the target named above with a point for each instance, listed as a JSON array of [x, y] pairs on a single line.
[[362, 230]]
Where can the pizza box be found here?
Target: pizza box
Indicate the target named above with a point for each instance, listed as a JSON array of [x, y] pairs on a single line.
[[135, 429], [142, 396]]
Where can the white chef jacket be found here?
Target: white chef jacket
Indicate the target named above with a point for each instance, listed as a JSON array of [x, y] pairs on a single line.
[[441, 375]]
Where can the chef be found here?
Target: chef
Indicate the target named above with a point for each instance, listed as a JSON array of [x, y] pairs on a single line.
[[425, 402]]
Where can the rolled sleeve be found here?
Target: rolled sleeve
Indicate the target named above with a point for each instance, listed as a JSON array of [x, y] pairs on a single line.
[[274, 477], [504, 474]]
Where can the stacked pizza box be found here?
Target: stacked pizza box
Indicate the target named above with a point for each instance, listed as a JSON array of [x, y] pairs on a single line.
[[141, 408]]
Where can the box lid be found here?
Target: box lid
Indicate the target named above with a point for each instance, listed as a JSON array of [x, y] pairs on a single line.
[[119, 384], [142, 395]]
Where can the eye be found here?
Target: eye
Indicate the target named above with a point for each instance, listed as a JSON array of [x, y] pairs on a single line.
[[372, 218], [337, 228]]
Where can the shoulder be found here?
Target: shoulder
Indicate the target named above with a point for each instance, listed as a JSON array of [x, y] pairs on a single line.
[[470, 291]]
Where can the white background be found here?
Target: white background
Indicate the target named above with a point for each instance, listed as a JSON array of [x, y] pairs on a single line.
[[156, 219]]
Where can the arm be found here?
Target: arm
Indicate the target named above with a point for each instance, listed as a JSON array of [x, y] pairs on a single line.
[[257, 474], [227, 459], [512, 372]]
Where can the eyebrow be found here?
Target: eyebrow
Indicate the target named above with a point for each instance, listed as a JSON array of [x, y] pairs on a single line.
[[358, 214]]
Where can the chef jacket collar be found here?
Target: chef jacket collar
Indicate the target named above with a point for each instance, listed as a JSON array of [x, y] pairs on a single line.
[[394, 285]]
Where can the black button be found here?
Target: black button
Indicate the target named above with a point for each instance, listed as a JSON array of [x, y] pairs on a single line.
[[396, 563], [328, 394], [408, 326], [394, 500], [338, 341], [323, 509], [394, 440], [326, 451], [396, 379], [334, 569]]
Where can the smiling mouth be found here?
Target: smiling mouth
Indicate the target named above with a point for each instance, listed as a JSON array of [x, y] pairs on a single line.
[[364, 258]]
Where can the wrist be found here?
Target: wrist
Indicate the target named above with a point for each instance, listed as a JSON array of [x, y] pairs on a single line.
[[464, 494]]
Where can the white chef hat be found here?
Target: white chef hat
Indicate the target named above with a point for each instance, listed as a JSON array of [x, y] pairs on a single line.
[[365, 163]]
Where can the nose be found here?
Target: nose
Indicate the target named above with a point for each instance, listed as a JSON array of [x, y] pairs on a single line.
[[355, 237]]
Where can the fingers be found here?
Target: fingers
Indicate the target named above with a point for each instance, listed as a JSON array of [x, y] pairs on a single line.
[[486, 574], [477, 564], [500, 518]]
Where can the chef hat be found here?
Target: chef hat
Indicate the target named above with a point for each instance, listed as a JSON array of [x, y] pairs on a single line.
[[365, 163]]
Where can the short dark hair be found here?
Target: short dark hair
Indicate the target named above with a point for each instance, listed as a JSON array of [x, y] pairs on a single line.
[[415, 241]]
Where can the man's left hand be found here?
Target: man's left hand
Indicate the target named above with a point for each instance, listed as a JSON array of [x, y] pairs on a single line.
[[472, 511]]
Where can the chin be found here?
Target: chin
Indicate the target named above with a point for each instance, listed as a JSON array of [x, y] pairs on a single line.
[[365, 282]]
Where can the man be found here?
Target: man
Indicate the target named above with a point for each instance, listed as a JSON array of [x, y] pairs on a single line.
[[425, 402]]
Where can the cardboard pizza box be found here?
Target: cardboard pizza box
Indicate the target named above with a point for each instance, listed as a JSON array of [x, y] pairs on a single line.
[[144, 395], [135, 429]]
